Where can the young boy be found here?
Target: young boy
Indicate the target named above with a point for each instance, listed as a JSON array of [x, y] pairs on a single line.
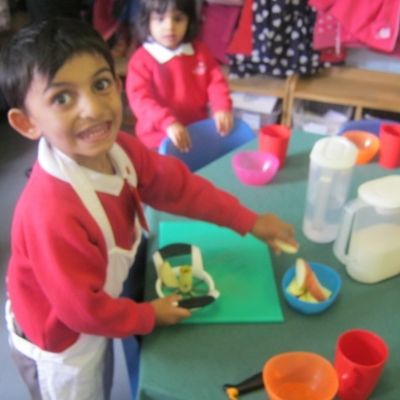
[[78, 222]]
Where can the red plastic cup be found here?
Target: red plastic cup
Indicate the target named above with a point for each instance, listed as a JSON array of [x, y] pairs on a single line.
[[359, 360], [390, 145], [275, 139]]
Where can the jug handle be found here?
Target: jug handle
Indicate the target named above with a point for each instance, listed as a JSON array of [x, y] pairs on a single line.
[[342, 238]]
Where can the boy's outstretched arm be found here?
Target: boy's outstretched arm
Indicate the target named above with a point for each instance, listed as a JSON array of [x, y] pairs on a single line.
[[269, 227]]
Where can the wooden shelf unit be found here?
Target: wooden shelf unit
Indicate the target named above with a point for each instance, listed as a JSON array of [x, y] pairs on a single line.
[[265, 86], [358, 88], [354, 87]]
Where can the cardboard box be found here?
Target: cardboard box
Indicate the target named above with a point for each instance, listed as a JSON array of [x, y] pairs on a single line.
[[256, 110]]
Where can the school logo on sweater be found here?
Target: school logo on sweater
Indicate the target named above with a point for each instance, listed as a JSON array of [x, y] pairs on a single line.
[[200, 68]]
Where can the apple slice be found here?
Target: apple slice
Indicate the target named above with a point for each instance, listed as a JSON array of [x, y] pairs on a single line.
[[167, 275], [185, 279], [302, 271], [308, 297], [294, 289], [315, 287], [286, 247], [328, 293]]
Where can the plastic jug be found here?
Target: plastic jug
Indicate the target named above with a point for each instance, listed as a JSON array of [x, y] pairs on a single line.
[[368, 241], [331, 165]]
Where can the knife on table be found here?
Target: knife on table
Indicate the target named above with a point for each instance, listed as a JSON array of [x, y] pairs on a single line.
[[254, 382]]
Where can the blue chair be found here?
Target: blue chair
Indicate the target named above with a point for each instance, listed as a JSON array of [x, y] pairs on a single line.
[[369, 125], [207, 143]]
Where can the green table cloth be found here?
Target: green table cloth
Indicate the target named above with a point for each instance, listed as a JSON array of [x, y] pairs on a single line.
[[193, 361]]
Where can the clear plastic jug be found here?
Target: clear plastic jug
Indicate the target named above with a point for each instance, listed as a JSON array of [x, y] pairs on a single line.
[[331, 165], [368, 241]]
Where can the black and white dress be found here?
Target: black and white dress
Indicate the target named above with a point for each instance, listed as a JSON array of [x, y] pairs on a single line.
[[282, 32]]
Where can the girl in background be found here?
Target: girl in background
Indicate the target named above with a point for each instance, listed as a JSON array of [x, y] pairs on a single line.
[[172, 79]]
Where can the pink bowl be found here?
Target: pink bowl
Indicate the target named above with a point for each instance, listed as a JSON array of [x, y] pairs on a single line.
[[255, 167]]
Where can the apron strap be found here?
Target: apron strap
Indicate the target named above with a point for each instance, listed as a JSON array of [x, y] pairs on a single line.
[[84, 190]]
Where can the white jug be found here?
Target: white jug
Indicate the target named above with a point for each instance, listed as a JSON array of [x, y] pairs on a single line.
[[331, 165], [368, 241]]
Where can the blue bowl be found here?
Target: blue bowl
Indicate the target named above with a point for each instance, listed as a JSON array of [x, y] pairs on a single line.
[[328, 278]]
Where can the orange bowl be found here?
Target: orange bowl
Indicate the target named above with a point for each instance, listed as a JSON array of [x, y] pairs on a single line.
[[367, 143], [300, 375]]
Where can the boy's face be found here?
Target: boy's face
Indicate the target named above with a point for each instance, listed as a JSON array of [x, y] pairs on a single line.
[[79, 111], [168, 29]]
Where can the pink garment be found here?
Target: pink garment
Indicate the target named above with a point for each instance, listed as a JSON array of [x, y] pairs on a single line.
[[103, 19], [374, 23], [219, 22], [242, 41], [330, 38], [328, 32]]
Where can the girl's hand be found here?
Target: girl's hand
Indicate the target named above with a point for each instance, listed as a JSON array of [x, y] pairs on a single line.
[[224, 122], [269, 227], [167, 311], [179, 136]]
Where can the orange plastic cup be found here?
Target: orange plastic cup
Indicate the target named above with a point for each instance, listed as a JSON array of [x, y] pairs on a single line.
[[367, 143], [300, 376]]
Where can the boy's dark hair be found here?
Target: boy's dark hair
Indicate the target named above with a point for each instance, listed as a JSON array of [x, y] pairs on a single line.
[[43, 48], [188, 7]]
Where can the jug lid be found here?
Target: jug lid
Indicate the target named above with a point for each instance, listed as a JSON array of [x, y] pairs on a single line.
[[334, 152], [382, 192]]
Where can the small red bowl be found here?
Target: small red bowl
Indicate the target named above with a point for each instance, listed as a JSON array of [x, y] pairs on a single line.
[[255, 167], [367, 143]]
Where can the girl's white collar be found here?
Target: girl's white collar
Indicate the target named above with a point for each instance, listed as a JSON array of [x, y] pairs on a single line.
[[163, 55]]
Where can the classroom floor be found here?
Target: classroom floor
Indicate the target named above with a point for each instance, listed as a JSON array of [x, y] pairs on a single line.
[[16, 156]]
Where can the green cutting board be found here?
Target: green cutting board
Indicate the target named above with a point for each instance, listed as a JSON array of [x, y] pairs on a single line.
[[241, 268]]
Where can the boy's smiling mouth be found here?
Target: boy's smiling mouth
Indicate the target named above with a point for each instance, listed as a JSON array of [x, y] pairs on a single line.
[[95, 133]]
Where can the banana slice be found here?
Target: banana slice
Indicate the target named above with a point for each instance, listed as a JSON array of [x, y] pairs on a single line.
[[286, 247]]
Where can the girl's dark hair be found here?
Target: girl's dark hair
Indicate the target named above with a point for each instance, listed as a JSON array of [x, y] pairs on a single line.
[[188, 7], [43, 48]]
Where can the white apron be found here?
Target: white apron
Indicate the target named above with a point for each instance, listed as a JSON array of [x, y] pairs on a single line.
[[77, 372]]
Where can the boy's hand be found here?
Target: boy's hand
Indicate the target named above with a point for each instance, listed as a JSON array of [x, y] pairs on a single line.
[[269, 227], [224, 122], [167, 311], [179, 136]]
